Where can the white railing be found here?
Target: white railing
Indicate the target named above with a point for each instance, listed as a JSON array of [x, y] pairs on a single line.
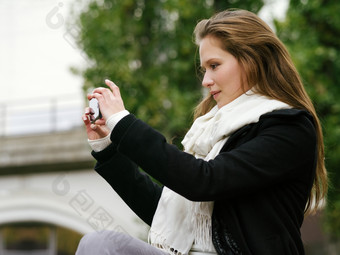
[[40, 115]]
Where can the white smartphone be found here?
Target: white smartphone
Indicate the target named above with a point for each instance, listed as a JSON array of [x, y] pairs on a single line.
[[95, 112]]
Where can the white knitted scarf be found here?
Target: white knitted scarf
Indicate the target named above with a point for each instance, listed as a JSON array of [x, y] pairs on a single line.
[[178, 223]]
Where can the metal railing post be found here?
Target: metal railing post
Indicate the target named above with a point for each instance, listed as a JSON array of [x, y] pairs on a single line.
[[54, 110], [3, 118]]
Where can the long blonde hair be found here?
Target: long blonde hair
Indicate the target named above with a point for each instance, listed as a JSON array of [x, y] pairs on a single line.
[[269, 68]]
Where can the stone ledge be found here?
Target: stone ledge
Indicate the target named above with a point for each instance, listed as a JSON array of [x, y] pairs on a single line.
[[58, 151]]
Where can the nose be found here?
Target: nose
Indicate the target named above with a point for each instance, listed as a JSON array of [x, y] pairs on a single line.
[[207, 80]]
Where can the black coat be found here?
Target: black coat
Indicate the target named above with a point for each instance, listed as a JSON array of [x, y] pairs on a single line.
[[260, 181]]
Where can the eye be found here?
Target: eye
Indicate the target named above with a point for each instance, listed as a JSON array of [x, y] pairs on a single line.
[[213, 66]]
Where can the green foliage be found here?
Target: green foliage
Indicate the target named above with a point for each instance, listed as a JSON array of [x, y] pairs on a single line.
[[147, 49], [311, 32]]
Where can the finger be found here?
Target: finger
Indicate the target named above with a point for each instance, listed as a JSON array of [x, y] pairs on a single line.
[[89, 110], [99, 93], [89, 96], [86, 119], [102, 131], [113, 87], [99, 90], [102, 93], [100, 122]]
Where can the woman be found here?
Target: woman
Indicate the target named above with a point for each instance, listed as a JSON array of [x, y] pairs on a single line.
[[253, 161]]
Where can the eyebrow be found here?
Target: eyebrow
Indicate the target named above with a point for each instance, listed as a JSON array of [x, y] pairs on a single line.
[[210, 60]]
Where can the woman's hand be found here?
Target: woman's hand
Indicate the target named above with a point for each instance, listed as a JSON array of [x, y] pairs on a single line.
[[94, 131], [110, 100]]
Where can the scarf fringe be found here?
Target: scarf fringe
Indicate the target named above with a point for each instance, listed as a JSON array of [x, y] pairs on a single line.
[[160, 243], [203, 232]]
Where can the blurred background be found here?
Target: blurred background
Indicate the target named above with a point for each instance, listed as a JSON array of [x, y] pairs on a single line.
[[53, 52]]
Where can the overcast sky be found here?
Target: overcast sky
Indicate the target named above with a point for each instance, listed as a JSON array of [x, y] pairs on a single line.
[[35, 57]]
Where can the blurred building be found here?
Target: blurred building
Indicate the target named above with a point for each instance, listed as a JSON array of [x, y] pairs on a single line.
[[50, 196]]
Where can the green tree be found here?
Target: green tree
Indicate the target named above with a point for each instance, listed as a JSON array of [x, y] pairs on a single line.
[[146, 48], [311, 32]]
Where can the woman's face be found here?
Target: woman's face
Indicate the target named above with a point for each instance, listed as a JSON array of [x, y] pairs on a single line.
[[223, 75]]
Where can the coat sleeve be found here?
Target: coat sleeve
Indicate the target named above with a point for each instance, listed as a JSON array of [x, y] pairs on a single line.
[[135, 187], [273, 155]]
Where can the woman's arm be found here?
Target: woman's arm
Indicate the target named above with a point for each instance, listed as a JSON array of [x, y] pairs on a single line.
[[276, 149], [281, 148]]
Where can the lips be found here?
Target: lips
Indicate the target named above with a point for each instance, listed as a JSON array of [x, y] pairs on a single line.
[[215, 93]]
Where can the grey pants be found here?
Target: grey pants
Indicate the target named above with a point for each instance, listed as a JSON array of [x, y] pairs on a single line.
[[114, 243]]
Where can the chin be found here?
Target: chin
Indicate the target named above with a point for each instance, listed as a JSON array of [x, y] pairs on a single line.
[[220, 105]]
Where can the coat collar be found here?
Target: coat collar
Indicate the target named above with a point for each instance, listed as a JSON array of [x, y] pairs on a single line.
[[284, 113]]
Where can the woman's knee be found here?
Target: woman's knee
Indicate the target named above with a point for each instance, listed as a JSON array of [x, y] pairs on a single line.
[[103, 242]]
